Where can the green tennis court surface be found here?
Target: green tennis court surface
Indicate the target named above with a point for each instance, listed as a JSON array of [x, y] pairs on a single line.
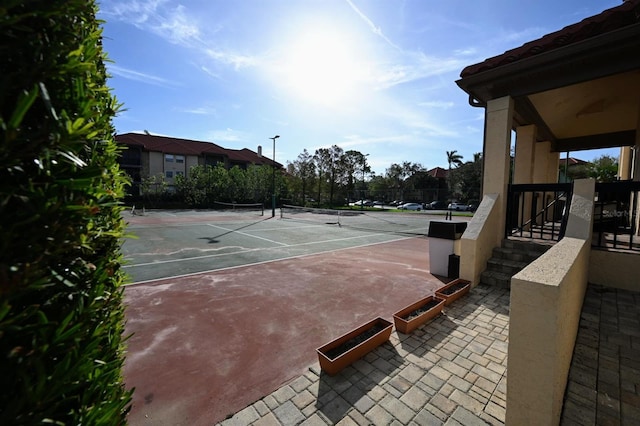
[[179, 243]]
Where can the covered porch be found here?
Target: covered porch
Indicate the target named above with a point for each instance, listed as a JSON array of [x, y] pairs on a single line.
[[572, 90]]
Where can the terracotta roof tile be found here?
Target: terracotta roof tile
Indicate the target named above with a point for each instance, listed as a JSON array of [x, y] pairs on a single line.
[[170, 145], [628, 13], [438, 172]]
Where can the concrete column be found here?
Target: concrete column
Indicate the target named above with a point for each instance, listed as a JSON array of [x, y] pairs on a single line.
[[525, 150], [553, 167], [624, 163], [541, 165], [543, 162], [497, 156], [523, 167]]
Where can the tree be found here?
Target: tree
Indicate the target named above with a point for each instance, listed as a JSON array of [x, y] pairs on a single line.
[[302, 171], [352, 163], [453, 158], [604, 169], [335, 154], [467, 179], [398, 174], [322, 159]]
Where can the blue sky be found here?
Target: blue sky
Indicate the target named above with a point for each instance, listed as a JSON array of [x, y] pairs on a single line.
[[377, 76]]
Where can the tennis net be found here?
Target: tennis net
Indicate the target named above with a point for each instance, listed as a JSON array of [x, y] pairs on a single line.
[[410, 223], [255, 208]]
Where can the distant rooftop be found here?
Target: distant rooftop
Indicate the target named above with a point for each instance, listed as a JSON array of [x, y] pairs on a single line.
[[171, 145]]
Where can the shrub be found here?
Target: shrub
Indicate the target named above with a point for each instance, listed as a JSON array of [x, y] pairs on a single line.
[[61, 312]]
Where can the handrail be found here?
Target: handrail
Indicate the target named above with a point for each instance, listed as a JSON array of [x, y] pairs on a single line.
[[516, 224], [530, 221]]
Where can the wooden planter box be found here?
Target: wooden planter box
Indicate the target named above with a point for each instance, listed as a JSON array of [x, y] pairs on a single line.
[[453, 291], [418, 313], [348, 348]]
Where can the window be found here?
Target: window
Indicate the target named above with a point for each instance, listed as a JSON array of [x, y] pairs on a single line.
[[168, 174], [168, 158], [179, 158], [179, 174]]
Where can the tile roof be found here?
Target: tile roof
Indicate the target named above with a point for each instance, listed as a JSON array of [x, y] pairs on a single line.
[[438, 172], [171, 145], [628, 13], [572, 161]]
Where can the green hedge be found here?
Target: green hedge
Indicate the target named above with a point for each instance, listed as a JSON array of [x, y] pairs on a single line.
[[61, 311]]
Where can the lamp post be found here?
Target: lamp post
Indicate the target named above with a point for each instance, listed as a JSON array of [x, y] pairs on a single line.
[[273, 181], [364, 165]]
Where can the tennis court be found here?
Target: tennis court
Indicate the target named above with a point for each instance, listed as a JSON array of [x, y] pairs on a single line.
[[227, 306]]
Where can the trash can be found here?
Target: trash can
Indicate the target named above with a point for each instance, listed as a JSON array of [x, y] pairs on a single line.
[[442, 236]]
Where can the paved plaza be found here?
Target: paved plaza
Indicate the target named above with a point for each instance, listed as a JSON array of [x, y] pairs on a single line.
[[452, 371]]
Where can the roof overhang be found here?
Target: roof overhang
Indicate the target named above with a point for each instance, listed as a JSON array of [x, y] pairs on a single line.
[[581, 94]]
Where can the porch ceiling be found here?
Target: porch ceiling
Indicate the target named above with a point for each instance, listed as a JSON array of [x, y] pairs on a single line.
[[595, 114]]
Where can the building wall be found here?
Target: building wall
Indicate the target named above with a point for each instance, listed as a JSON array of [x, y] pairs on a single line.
[[192, 161], [615, 269], [156, 164]]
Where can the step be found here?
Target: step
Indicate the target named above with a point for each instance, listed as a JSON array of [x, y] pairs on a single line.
[[506, 266], [515, 255], [540, 246], [495, 279]]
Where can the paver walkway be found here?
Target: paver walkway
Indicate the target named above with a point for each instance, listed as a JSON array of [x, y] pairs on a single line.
[[452, 371], [604, 380]]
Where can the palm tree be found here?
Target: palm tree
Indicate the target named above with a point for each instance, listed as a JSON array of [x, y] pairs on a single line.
[[453, 158]]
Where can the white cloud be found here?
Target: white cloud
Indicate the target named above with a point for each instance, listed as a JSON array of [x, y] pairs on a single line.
[[228, 135], [375, 29], [230, 58], [171, 23], [437, 104], [139, 76], [200, 111]]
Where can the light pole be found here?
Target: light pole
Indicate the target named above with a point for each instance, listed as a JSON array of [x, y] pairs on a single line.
[[364, 165], [273, 181]]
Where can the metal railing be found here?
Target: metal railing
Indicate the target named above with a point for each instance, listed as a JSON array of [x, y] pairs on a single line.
[[615, 219], [538, 211]]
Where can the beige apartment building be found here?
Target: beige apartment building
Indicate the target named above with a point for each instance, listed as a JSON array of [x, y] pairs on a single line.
[[164, 158]]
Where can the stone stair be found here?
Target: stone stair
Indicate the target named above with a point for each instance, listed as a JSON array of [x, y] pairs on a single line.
[[511, 258]]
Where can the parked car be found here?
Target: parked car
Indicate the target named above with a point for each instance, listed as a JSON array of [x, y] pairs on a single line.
[[411, 206], [362, 203], [458, 206], [437, 205]]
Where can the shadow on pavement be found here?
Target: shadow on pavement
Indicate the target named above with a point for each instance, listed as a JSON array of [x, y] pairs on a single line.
[[338, 394]]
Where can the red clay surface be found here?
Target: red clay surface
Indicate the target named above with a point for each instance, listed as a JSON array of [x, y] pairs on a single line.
[[207, 345]]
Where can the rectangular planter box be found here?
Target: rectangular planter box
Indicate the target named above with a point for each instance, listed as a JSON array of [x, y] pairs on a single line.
[[461, 288], [406, 326], [333, 359]]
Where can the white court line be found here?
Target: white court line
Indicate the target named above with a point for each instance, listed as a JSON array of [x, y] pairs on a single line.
[[228, 268], [247, 235], [256, 249]]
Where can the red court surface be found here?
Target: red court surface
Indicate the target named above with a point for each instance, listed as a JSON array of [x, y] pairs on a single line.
[[205, 346]]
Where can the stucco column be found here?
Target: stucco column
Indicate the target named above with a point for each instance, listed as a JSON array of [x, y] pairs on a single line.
[[523, 166], [497, 155], [541, 165], [624, 163], [543, 162], [524, 156], [553, 166]]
